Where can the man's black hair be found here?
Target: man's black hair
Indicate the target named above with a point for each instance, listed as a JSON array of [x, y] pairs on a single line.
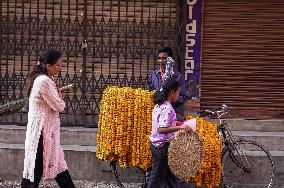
[[167, 50]]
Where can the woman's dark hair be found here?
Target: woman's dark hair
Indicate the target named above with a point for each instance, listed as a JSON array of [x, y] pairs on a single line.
[[169, 86], [48, 56]]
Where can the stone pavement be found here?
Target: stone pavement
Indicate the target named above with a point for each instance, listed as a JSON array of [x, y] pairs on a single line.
[[79, 184]]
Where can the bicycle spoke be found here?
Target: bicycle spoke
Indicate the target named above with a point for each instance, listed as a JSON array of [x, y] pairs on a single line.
[[244, 162], [254, 166]]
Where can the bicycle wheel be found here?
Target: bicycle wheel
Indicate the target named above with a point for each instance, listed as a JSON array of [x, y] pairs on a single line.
[[247, 163], [132, 177]]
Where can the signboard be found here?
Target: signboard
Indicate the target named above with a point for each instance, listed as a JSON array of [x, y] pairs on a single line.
[[193, 45]]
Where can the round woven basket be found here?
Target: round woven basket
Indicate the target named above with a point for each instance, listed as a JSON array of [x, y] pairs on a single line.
[[185, 154]]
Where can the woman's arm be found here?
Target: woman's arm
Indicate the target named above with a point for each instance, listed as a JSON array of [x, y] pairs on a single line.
[[51, 95]]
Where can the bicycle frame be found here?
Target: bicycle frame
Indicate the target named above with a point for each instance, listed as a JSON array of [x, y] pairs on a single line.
[[229, 141], [234, 150]]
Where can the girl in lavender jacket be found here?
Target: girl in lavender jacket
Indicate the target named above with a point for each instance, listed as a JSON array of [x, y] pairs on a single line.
[[43, 153], [164, 126]]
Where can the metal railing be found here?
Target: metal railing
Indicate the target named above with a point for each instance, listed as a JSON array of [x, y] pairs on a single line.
[[104, 43]]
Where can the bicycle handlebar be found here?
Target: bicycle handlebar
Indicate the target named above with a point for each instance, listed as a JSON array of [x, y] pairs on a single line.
[[219, 111]]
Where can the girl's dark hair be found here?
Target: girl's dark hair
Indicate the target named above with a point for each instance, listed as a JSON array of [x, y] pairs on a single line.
[[48, 56], [169, 86]]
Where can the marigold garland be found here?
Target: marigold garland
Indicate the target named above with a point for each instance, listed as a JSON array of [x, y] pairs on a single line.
[[124, 126], [210, 172]]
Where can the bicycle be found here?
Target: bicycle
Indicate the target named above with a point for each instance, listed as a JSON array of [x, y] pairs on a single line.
[[242, 160]]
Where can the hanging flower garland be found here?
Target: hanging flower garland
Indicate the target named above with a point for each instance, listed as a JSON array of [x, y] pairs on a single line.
[[210, 171], [124, 127]]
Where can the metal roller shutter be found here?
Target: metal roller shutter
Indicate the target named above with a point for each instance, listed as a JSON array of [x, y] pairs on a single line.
[[243, 57]]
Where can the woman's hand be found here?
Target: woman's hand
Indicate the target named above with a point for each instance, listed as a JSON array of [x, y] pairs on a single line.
[[61, 95]]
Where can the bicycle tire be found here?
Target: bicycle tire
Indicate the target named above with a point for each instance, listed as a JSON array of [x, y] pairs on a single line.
[[262, 167], [131, 175]]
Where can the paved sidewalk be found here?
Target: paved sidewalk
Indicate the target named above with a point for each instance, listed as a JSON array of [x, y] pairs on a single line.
[[79, 184]]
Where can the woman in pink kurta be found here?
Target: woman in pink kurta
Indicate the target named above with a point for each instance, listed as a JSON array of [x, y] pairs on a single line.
[[43, 153]]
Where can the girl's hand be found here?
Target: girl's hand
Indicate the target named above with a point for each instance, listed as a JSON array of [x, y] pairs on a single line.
[[178, 123], [187, 128]]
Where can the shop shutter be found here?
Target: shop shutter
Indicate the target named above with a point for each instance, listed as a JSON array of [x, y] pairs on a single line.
[[243, 57]]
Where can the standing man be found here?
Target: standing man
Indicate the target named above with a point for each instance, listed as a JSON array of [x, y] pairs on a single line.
[[156, 78]]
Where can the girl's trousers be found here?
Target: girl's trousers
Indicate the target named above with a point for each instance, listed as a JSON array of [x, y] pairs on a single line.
[[161, 173]]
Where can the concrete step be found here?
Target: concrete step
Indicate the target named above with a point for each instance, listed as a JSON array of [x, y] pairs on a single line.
[[65, 147], [79, 146], [81, 160], [263, 125], [272, 141], [83, 164], [13, 134]]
